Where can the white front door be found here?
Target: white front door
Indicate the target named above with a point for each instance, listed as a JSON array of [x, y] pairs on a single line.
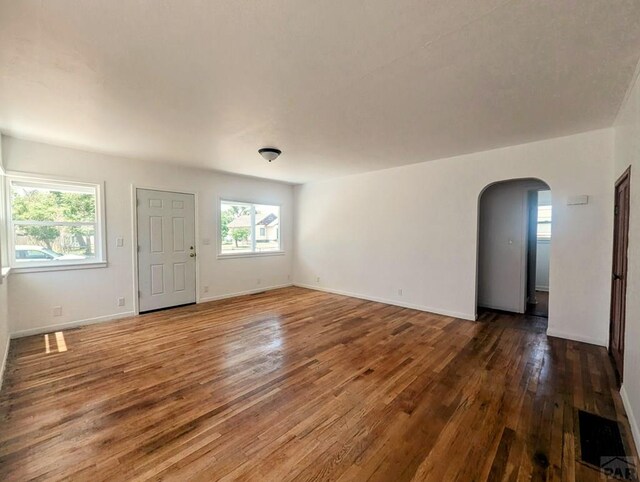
[[166, 249]]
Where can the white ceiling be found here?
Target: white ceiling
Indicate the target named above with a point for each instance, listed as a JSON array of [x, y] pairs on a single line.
[[341, 86]]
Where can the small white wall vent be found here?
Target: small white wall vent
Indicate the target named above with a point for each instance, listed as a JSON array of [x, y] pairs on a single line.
[[577, 200]]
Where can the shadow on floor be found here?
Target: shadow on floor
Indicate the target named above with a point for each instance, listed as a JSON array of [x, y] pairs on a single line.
[[518, 321], [541, 307]]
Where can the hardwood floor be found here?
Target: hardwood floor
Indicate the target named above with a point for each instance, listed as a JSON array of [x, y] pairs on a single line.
[[302, 385], [541, 308]]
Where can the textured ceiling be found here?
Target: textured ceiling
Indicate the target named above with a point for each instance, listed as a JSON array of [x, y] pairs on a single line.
[[340, 86]]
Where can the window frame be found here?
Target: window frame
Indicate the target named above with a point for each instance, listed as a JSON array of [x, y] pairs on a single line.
[[544, 239], [100, 260], [4, 253], [253, 253]]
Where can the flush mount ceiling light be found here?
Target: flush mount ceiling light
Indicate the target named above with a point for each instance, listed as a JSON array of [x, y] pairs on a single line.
[[270, 153]]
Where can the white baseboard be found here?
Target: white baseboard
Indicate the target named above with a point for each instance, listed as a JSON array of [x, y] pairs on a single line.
[[74, 324], [635, 430], [4, 361], [70, 324], [437, 311], [574, 337], [242, 293]]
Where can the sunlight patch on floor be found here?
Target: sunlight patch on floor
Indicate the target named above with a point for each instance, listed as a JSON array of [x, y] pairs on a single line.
[[62, 345]]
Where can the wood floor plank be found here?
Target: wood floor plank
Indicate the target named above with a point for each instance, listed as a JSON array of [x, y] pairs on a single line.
[[301, 385]]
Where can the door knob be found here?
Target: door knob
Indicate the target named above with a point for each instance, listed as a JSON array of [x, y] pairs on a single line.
[[192, 255]]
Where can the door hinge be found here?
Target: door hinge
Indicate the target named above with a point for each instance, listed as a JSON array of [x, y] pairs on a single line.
[[139, 294], [138, 248], [616, 210]]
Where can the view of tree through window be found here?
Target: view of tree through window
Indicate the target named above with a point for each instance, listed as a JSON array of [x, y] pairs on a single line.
[[249, 228], [53, 222]]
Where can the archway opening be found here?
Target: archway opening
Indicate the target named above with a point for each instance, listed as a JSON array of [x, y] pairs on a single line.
[[514, 240]]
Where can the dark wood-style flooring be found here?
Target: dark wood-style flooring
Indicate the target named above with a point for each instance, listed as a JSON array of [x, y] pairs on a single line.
[[296, 384], [541, 308]]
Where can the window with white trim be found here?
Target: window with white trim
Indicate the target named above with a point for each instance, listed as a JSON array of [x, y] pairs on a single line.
[[544, 223], [4, 258], [55, 223], [249, 228]]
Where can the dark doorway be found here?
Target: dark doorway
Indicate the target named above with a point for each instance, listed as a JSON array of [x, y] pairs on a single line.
[[538, 253], [619, 272]]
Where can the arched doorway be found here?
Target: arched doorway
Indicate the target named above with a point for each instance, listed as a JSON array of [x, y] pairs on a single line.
[[514, 236]]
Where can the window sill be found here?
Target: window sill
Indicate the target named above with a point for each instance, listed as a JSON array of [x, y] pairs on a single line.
[[58, 267], [250, 255]]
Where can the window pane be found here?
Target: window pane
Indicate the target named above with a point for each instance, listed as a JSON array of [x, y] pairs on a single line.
[[267, 227], [544, 222], [544, 214], [4, 258], [544, 231], [235, 228], [33, 202], [54, 243]]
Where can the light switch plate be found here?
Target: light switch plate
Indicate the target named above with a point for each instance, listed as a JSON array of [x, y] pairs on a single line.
[[119, 242]]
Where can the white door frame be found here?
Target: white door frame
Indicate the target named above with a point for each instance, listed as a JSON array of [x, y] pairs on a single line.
[[134, 232]]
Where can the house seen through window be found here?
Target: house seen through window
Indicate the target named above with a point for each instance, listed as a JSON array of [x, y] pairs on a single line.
[[249, 228]]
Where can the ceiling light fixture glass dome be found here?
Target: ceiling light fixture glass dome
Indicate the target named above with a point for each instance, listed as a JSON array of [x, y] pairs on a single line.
[[270, 153]]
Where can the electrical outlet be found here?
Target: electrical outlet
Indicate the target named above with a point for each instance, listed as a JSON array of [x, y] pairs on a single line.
[[259, 281], [119, 242], [400, 292], [288, 277], [205, 289], [57, 311], [121, 301], [318, 279]]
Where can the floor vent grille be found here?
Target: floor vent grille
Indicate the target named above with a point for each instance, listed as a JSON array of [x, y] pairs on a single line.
[[601, 446]]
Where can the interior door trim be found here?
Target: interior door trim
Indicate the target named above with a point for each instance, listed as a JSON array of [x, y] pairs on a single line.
[[134, 237], [625, 177]]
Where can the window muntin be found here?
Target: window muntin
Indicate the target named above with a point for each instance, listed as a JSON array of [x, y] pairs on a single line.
[[249, 228], [54, 223]]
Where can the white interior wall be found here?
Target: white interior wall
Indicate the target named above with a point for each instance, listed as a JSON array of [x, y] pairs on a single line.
[[502, 249], [4, 326], [544, 198], [414, 228], [543, 249], [542, 265], [627, 153], [91, 294]]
